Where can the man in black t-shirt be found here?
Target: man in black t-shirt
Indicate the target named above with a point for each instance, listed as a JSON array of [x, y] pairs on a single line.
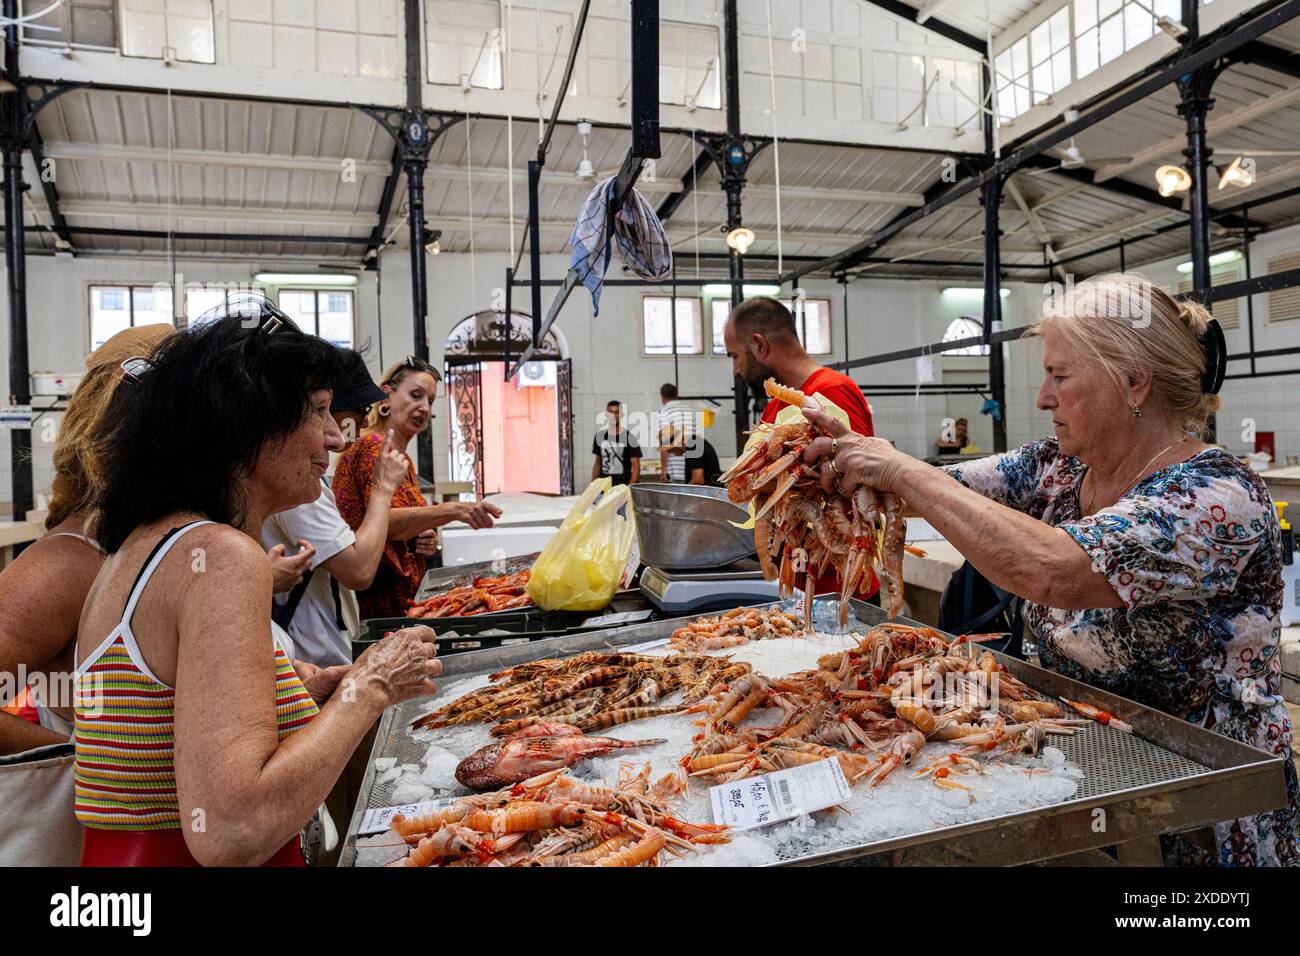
[[618, 456]]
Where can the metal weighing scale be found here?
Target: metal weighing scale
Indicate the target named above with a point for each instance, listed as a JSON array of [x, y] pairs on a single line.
[[678, 593], [698, 557]]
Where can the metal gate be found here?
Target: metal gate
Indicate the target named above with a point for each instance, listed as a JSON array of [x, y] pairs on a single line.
[[464, 399], [564, 413]]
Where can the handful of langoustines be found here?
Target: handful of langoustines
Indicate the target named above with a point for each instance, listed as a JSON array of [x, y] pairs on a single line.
[[799, 527]]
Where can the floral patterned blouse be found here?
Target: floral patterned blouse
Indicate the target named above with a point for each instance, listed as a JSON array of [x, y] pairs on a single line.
[[400, 570], [1194, 552]]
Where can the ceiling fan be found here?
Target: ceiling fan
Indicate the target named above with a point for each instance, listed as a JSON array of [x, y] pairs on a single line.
[[1072, 157]]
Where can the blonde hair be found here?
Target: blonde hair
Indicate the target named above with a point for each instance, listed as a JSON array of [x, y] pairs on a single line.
[[77, 450], [1128, 326], [393, 377]]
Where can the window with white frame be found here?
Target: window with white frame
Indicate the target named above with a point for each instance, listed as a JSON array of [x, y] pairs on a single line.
[[1104, 29], [465, 43], [323, 312], [965, 327], [812, 322], [1049, 55], [74, 23], [114, 308], [953, 99], [167, 30], [689, 65], [897, 86], [657, 326], [1011, 67]]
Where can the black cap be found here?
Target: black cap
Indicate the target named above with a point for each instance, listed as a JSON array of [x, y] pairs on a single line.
[[357, 391]]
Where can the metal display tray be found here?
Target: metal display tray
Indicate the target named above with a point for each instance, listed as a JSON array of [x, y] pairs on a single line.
[[1167, 776], [437, 580]]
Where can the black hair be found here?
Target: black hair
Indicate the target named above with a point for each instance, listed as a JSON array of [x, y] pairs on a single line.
[[668, 390], [613, 401], [194, 421], [765, 316]]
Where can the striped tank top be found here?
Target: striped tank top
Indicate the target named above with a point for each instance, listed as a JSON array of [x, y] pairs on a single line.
[[125, 773]]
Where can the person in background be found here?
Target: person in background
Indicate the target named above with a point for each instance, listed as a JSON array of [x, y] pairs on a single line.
[[960, 437], [42, 593], [407, 409], [676, 433], [175, 635], [320, 612], [705, 467], [762, 343], [618, 456]]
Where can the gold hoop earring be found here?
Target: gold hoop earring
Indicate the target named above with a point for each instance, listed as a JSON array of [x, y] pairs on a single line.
[[383, 411]]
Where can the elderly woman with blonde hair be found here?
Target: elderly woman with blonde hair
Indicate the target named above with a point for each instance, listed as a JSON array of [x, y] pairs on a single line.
[[1148, 560]]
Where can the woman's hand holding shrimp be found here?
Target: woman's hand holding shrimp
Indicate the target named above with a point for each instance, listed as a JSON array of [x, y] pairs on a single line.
[[399, 667], [858, 460]]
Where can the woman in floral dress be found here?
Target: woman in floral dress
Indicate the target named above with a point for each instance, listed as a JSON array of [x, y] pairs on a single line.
[[1149, 562]]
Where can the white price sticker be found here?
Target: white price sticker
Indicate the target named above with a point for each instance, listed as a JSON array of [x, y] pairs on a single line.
[[647, 646], [783, 795], [623, 617], [379, 819], [633, 562]]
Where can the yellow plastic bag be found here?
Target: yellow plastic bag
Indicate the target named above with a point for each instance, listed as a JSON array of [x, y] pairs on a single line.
[[580, 568]]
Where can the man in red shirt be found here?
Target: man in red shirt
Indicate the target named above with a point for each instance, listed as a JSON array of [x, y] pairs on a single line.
[[762, 342]]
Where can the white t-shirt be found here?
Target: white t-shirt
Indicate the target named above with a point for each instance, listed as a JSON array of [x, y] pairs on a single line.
[[315, 630], [681, 418]]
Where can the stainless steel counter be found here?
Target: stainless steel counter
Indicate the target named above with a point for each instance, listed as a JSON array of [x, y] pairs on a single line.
[[1168, 776]]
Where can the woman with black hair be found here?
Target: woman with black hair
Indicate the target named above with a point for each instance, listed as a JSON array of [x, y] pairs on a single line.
[[197, 742]]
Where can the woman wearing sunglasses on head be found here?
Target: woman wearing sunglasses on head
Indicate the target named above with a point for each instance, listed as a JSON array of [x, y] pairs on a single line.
[[197, 741], [410, 386]]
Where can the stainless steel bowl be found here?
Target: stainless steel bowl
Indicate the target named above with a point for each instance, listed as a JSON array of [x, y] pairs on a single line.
[[681, 527]]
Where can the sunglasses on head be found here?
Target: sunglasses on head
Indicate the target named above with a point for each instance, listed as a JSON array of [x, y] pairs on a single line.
[[417, 364]]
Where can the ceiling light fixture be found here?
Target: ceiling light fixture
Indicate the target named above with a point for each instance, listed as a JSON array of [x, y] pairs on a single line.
[[1218, 259], [1173, 179], [432, 246], [740, 239], [970, 292], [585, 172], [1240, 173], [304, 278], [718, 290]]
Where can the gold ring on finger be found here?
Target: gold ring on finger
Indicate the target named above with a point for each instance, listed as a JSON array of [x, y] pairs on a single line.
[[835, 446]]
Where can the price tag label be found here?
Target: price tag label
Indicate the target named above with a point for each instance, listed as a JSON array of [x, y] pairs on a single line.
[[774, 797], [647, 646], [379, 819], [612, 620], [633, 562]]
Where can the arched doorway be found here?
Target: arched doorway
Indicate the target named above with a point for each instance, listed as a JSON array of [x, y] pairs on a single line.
[[516, 435]]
